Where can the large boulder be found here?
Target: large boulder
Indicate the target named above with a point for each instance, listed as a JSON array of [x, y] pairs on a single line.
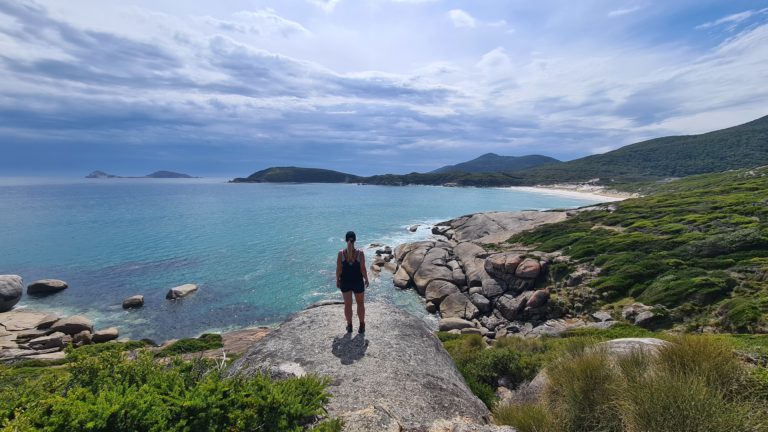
[[481, 302], [511, 307], [397, 356], [503, 265], [401, 278], [414, 258], [469, 256], [72, 325], [457, 305], [437, 290], [46, 287], [448, 324], [10, 291], [133, 302], [433, 267], [528, 269], [105, 335], [53, 340], [497, 227], [180, 291]]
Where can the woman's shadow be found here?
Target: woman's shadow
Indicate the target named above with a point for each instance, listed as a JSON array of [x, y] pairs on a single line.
[[349, 349]]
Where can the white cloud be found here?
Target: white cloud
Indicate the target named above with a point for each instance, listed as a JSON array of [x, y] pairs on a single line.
[[261, 22], [732, 19], [626, 11], [326, 5], [461, 18]]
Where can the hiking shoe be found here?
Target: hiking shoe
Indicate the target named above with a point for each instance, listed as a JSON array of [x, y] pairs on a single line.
[[349, 328], [361, 329]]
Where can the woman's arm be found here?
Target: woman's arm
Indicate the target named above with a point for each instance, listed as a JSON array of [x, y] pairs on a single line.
[[338, 270], [363, 269]]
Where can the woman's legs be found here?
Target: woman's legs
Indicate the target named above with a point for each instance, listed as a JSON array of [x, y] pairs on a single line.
[[347, 306], [360, 300]]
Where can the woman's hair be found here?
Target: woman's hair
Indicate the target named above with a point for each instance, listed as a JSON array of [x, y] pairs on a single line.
[[350, 236]]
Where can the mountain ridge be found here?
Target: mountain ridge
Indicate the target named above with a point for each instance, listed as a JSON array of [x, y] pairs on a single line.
[[492, 162]]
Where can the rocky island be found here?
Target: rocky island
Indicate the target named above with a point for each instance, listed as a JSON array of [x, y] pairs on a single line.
[[155, 175]]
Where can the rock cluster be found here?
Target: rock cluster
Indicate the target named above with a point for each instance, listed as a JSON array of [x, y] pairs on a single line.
[[483, 291], [383, 259], [35, 335]]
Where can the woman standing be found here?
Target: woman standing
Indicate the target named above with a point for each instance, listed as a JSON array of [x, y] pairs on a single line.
[[352, 277]]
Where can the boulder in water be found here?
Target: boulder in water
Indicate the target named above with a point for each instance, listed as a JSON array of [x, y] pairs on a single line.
[[10, 291], [181, 291], [132, 302], [46, 287]]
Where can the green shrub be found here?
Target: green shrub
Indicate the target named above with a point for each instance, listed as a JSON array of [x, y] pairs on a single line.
[[740, 315], [679, 402], [704, 358], [109, 392], [581, 392], [483, 367], [207, 341], [526, 418]]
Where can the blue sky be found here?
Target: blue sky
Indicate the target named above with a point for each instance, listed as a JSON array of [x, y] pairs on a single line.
[[364, 86]]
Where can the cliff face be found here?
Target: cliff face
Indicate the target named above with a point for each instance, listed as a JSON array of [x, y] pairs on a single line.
[[397, 374]]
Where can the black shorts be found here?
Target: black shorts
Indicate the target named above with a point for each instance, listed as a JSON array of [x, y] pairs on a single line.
[[357, 289]]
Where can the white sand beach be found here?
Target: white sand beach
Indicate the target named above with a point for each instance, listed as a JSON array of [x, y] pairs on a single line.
[[577, 191]]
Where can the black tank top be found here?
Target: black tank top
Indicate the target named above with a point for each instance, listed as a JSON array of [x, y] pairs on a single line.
[[351, 276]]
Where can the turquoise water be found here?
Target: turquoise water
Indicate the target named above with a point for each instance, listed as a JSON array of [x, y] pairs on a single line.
[[259, 252]]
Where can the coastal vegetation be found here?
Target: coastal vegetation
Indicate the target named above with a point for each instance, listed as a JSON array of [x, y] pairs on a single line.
[[698, 247], [105, 388], [694, 383]]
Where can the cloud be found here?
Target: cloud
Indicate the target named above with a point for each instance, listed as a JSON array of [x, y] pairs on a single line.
[[326, 5], [253, 88], [626, 11], [261, 22], [461, 19], [732, 19]]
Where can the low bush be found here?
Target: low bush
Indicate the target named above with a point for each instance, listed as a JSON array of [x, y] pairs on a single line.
[[207, 341], [694, 383], [109, 392]]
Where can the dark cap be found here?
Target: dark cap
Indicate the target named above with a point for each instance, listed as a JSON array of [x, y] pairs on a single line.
[[350, 235]]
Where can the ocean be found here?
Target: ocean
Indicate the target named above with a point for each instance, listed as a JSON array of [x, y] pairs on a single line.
[[258, 252]]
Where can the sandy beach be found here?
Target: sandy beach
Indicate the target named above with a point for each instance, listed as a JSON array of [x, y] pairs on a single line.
[[577, 191]]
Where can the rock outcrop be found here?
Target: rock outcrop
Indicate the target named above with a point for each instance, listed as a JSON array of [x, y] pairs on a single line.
[[10, 291], [46, 287], [180, 291], [133, 302], [398, 374], [36, 335]]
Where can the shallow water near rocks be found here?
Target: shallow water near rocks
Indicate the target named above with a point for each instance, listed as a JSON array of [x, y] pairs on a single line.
[[258, 252]]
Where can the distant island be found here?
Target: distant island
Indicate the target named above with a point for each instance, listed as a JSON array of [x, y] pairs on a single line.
[[297, 175], [156, 175]]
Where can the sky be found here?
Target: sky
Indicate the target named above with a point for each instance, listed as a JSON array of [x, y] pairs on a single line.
[[364, 86]]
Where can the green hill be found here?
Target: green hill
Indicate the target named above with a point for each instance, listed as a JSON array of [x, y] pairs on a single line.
[[698, 246], [491, 162], [737, 147], [297, 175]]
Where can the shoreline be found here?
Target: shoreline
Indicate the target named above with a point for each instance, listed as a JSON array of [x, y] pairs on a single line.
[[577, 191]]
